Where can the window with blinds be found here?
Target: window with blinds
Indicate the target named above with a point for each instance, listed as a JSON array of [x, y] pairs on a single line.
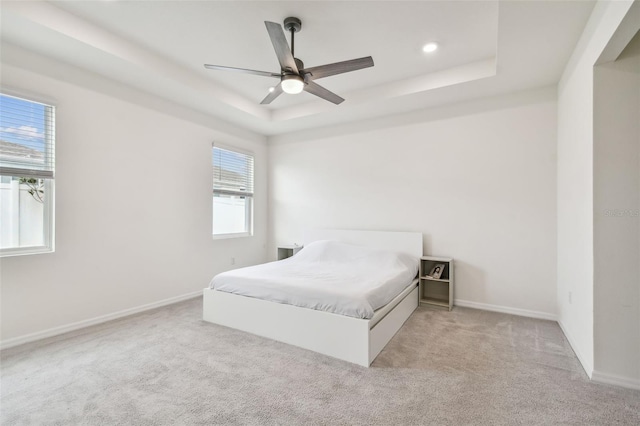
[[27, 166], [232, 192]]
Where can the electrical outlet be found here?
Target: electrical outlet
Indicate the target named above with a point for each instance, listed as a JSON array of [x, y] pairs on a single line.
[[570, 297], [233, 260]]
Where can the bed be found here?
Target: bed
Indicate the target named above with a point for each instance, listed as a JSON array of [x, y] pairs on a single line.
[[355, 332]]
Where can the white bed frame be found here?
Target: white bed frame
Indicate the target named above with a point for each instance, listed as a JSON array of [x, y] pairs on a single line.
[[346, 338]]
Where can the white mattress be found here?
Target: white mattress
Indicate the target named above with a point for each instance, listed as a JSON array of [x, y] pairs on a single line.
[[328, 276]]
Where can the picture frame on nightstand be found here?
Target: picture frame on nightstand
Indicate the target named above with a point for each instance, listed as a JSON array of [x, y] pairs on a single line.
[[436, 271]]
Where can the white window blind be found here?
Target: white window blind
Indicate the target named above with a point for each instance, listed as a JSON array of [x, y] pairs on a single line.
[[26, 138], [232, 193], [232, 173]]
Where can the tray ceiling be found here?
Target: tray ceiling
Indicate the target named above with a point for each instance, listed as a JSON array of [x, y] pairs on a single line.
[[486, 48]]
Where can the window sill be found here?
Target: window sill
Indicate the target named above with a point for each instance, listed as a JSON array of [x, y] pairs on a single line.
[[228, 236], [22, 251]]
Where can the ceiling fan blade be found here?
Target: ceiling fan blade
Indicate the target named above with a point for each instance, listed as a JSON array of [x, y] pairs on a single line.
[[276, 33], [277, 91], [316, 89], [338, 67], [242, 70]]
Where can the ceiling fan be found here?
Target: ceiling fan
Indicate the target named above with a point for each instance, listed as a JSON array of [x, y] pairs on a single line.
[[294, 77]]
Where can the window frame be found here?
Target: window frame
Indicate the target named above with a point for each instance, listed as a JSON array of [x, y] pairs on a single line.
[[249, 199], [48, 217]]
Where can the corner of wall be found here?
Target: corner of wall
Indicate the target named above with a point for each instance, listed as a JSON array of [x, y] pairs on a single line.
[[584, 361], [575, 191]]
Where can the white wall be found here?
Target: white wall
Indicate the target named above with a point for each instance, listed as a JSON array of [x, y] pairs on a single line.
[[478, 179], [133, 206], [616, 217], [575, 181]]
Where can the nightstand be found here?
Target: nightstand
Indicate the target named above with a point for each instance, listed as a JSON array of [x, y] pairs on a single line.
[[286, 251], [436, 281]]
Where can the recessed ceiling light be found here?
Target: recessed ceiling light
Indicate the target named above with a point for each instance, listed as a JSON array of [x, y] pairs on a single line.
[[271, 89], [430, 47]]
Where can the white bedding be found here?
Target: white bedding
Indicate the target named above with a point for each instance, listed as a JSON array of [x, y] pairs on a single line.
[[328, 276]]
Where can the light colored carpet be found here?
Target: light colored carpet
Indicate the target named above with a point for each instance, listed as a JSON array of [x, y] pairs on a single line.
[[169, 367]]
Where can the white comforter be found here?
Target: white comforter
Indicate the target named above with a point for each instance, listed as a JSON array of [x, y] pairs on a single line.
[[328, 276]]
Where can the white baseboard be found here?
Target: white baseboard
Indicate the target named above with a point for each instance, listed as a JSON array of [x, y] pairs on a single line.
[[20, 340], [612, 379], [506, 310], [588, 368]]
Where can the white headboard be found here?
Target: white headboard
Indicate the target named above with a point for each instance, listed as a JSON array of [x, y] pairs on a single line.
[[406, 242]]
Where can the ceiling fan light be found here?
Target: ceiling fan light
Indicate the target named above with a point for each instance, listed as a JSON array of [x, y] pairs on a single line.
[[292, 84]]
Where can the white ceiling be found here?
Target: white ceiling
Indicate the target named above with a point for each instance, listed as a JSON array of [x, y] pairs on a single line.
[[487, 48]]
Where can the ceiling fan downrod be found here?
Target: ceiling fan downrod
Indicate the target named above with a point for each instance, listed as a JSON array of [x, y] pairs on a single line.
[[293, 25]]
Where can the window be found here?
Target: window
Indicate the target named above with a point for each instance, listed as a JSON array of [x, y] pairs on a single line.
[[26, 176], [232, 193]]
